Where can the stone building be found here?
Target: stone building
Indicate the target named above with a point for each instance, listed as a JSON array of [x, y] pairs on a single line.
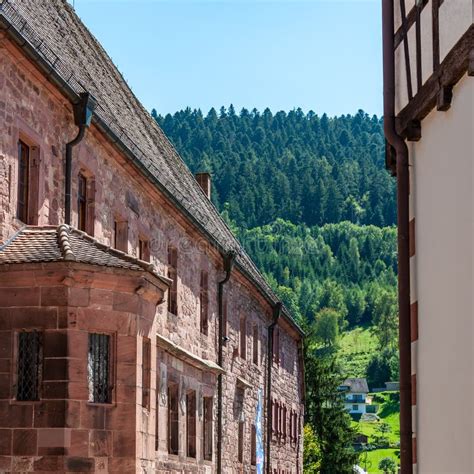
[[428, 121], [136, 335]]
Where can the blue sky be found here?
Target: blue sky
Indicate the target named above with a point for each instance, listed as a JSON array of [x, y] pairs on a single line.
[[321, 55]]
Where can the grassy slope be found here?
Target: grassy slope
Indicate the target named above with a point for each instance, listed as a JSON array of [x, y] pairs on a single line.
[[356, 349], [389, 413]]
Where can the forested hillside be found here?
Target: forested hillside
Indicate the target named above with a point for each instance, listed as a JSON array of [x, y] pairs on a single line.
[[303, 168]]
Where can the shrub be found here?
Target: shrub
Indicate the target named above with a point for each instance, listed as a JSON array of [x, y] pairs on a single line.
[[388, 466]]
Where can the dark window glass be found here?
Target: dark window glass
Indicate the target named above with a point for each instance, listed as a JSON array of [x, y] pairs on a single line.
[[23, 181], [243, 337], [98, 368], [240, 451], [253, 446], [30, 355], [191, 424], [173, 275], [82, 203], [204, 299], [146, 372], [207, 429], [173, 420], [224, 317], [255, 344]]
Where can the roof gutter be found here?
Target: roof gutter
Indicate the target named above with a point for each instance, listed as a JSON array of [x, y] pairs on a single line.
[[228, 260], [402, 172]]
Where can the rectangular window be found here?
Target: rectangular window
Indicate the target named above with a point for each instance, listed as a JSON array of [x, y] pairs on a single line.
[[98, 368], [146, 372], [85, 203], [173, 420], [29, 367], [224, 317], [284, 422], [121, 235], [240, 451], [243, 337], [204, 300], [255, 344], [81, 202], [23, 181], [276, 344], [207, 428], [144, 249], [253, 446], [355, 407], [173, 275], [191, 424], [295, 426]]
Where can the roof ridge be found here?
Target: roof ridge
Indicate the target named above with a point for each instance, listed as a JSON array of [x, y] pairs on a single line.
[[64, 243]]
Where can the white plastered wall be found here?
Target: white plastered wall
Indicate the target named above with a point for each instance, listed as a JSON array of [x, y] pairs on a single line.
[[442, 201]]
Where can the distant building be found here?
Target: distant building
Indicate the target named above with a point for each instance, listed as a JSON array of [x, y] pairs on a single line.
[[136, 335], [355, 395], [428, 120]]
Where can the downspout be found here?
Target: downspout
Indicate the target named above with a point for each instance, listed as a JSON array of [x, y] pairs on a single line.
[[82, 118], [402, 170], [271, 329], [303, 400], [229, 259]]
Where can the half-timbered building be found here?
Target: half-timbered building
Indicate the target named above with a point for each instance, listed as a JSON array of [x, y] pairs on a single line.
[[428, 119]]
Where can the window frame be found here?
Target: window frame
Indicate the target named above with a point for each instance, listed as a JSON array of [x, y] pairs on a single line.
[[243, 337], [27, 212], [191, 421], [110, 368], [240, 441], [208, 428], [173, 421], [173, 275], [146, 372], [204, 303], [40, 365], [256, 343], [253, 446], [121, 235], [143, 248]]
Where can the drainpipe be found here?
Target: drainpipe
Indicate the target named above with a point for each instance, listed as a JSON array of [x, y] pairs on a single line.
[[271, 329], [403, 183], [82, 118], [229, 259]]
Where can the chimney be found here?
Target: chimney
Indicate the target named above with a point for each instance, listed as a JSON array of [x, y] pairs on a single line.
[[204, 180]]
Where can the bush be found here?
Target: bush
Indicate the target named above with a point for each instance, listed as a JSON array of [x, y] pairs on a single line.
[[388, 466]]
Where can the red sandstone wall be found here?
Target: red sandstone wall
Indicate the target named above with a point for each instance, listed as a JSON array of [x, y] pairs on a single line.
[[33, 110]]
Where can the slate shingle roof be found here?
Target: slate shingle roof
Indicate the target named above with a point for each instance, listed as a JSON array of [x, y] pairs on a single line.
[[63, 243], [56, 34]]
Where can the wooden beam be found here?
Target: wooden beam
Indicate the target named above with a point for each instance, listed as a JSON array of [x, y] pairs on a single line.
[[445, 96], [410, 21], [406, 50], [450, 71], [435, 31]]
